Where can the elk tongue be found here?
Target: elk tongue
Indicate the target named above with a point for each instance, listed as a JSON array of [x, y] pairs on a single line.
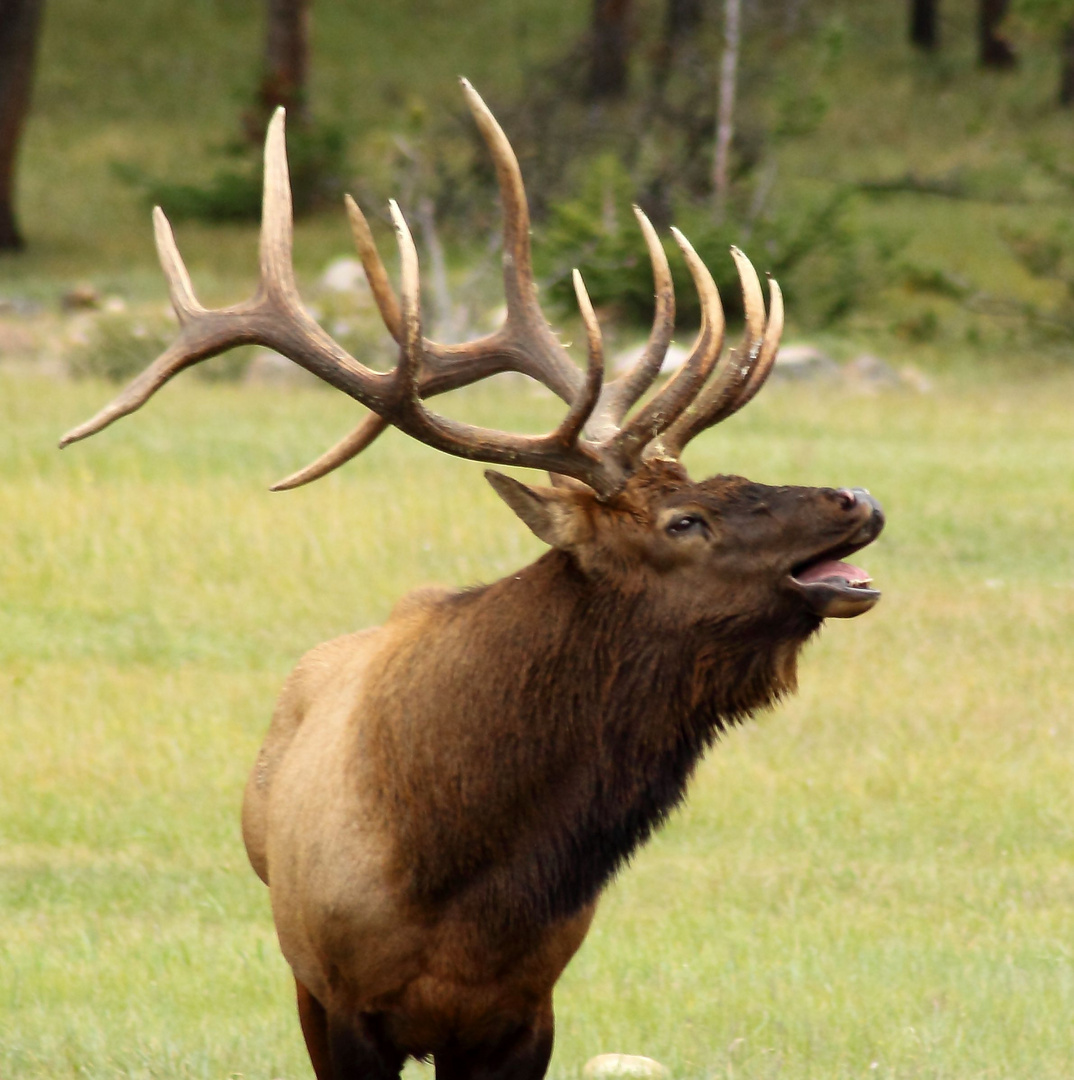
[[835, 572], [835, 589]]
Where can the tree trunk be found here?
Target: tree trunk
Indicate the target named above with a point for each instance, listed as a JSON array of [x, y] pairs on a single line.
[[725, 122], [609, 50], [285, 72], [924, 24], [995, 50], [681, 19], [682, 16], [1066, 65], [20, 21]]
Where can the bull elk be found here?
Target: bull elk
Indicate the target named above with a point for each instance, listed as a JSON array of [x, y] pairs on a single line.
[[439, 801]]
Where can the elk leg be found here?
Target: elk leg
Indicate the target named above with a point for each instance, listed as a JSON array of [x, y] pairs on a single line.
[[522, 1055], [359, 1049], [314, 1021]]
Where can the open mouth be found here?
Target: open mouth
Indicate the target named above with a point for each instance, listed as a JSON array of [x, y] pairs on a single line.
[[833, 588]]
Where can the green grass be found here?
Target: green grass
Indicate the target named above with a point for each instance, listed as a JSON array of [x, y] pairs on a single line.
[[882, 871]]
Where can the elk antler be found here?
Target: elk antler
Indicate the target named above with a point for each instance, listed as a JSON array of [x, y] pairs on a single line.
[[592, 444]]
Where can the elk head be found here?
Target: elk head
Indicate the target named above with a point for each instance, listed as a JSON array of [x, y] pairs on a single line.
[[749, 551], [620, 497]]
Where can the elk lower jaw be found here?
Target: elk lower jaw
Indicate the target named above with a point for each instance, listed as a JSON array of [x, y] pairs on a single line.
[[834, 589]]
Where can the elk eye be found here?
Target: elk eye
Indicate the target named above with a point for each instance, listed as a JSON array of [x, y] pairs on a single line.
[[686, 524]]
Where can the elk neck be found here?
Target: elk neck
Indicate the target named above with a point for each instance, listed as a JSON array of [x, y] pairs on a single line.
[[550, 725]]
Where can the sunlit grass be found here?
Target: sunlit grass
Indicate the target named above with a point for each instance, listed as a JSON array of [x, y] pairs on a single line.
[[876, 880]]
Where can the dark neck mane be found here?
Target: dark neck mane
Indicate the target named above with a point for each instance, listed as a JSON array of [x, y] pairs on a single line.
[[523, 785]]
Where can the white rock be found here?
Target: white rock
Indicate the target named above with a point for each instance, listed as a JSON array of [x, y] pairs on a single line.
[[344, 275], [624, 1067]]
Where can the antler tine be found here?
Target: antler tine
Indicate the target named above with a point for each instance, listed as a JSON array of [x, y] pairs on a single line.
[[174, 359], [180, 288], [752, 302], [277, 217], [350, 446], [667, 406], [519, 288], [409, 366], [620, 394], [586, 403], [525, 343], [747, 368], [375, 273], [354, 442], [766, 358], [373, 426]]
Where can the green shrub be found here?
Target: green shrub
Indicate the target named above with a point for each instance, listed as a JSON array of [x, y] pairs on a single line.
[[316, 155], [1048, 256], [806, 243], [117, 346]]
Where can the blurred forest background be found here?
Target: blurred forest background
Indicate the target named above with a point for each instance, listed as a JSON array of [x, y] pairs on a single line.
[[905, 169]]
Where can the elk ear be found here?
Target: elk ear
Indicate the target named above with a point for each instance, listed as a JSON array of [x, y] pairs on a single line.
[[549, 513]]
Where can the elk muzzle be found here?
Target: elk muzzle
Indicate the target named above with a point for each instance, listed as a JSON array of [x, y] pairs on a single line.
[[835, 589]]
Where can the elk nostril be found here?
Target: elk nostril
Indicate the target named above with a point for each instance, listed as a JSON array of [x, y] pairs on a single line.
[[847, 499]]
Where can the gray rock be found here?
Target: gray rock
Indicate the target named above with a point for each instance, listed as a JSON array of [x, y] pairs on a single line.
[[19, 305], [805, 362], [871, 374]]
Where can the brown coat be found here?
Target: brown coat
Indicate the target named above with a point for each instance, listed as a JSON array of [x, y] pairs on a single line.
[[439, 801]]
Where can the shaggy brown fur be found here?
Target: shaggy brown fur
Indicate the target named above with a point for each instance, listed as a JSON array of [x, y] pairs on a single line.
[[440, 801]]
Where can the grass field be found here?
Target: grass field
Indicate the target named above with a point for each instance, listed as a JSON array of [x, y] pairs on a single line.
[[875, 881]]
